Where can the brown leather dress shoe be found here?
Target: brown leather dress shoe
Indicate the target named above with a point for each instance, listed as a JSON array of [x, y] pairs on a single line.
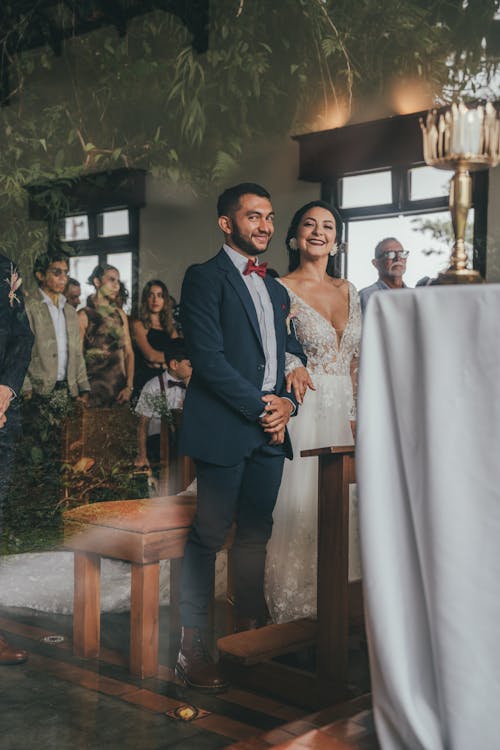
[[10, 654], [195, 667]]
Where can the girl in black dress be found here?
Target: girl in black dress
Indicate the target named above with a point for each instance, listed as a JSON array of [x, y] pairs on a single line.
[[152, 330]]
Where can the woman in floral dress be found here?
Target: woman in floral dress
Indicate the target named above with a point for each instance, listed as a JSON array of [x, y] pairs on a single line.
[[107, 347]]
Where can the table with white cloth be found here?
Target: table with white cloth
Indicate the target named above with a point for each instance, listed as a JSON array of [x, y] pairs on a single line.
[[428, 470]]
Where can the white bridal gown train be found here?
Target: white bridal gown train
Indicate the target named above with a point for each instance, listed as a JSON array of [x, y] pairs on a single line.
[[323, 420]]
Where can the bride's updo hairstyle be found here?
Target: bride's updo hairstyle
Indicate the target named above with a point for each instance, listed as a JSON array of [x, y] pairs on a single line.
[[294, 252]]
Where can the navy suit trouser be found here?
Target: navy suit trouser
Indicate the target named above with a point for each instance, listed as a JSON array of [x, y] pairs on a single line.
[[245, 494], [8, 437]]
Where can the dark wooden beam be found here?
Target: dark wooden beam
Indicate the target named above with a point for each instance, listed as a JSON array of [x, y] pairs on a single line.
[[93, 192], [380, 144], [44, 24]]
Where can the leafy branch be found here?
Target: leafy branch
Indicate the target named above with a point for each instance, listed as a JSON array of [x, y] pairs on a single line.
[[148, 100]]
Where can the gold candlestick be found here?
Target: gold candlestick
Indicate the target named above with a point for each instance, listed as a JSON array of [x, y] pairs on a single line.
[[465, 140]]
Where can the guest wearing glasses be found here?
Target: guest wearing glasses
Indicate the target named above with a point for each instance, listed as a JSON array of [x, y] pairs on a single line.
[[56, 360], [390, 261]]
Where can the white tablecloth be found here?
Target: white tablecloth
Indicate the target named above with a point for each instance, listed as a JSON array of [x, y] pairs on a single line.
[[428, 467]]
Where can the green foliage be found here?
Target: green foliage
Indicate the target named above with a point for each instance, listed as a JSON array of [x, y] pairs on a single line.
[[441, 231], [43, 485], [273, 67]]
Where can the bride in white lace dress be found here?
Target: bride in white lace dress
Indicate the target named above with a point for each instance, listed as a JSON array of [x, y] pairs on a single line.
[[326, 315]]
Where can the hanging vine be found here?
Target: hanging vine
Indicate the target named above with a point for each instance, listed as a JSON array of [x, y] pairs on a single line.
[[148, 99]]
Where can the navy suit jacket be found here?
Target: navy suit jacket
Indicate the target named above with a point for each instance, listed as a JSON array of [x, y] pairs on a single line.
[[223, 403], [16, 338]]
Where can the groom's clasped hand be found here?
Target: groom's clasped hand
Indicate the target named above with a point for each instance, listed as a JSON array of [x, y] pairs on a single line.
[[278, 412]]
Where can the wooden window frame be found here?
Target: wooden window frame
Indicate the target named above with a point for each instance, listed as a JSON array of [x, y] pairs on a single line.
[[395, 144], [105, 246]]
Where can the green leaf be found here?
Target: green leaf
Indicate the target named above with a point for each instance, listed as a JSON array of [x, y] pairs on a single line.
[[59, 160], [224, 163]]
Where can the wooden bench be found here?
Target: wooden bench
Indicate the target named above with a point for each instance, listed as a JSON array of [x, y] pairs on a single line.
[[141, 532]]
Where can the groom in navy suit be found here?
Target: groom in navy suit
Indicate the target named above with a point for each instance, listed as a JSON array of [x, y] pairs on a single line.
[[234, 319]]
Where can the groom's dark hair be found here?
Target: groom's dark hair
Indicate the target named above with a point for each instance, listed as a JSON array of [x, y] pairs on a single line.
[[229, 200]]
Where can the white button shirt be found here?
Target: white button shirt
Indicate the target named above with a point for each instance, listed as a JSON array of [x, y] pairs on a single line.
[[59, 321], [150, 394], [265, 316]]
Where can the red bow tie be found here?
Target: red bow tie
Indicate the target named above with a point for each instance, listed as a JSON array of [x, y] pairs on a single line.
[[253, 267]]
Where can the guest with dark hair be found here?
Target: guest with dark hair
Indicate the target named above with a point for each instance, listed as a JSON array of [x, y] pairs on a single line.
[[153, 329], [106, 341], [72, 292], [55, 379], [56, 360], [168, 390]]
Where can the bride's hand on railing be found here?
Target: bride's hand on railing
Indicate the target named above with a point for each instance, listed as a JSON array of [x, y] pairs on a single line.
[[300, 380]]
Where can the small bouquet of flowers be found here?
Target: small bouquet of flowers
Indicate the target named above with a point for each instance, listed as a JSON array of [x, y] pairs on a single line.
[[158, 405], [13, 282]]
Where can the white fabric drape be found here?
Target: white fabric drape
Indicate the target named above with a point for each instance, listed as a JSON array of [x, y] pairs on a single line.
[[428, 468]]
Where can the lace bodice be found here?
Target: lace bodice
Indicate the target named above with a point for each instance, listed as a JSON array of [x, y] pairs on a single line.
[[319, 338]]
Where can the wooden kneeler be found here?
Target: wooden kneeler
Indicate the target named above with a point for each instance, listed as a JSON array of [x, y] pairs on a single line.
[[141, 532], [254, 646], [246, 657]]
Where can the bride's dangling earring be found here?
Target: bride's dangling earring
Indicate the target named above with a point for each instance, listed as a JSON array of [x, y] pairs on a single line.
[[293, 244], [334, 250]]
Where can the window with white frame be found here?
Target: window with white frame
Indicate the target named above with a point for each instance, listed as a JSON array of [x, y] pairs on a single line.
[[110, 237]]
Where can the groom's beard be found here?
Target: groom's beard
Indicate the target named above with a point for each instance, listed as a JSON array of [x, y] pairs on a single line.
[[243, 244]]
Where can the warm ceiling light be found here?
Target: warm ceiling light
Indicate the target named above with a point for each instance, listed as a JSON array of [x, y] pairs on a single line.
[[410, 95], [336, 116]]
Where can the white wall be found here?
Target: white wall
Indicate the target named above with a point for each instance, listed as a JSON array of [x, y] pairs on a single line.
[[179, 228]]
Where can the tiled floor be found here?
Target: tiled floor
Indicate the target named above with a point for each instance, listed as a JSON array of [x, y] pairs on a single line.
[[59, 702], [324, 730]]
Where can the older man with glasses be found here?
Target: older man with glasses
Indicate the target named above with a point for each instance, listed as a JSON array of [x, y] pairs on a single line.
[[390, 261]]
